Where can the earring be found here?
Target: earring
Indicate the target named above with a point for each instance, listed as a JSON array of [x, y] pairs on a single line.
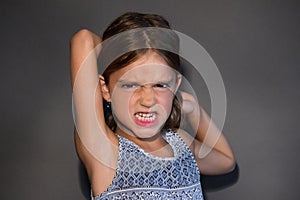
[[108, 105], [107, 110]]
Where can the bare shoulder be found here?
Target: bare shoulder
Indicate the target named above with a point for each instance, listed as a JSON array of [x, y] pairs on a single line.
[[187, 138]]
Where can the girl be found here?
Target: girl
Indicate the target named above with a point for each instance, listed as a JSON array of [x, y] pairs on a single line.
[[139, 151]]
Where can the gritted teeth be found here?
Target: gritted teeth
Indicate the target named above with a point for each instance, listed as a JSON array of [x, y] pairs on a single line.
[[145, 116]]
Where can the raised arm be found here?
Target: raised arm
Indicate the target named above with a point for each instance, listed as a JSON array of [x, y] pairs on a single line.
[[220, 158], [92, 138]]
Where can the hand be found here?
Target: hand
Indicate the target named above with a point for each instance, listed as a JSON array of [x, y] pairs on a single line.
[[190, 110], [189, 104]]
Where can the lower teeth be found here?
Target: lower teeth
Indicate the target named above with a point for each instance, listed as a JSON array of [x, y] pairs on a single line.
[[142, 118]]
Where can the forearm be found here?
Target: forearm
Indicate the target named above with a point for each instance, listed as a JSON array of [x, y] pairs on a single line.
[[210, 139], [209, 134], [212, 151], [81, 45]]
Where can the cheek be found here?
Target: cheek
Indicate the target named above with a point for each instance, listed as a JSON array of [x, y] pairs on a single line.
[[166, 101], [120, 102]]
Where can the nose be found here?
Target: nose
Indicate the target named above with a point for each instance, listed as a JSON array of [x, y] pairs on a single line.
[[147, 97]]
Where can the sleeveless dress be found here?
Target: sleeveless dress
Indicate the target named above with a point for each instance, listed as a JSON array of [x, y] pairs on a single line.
[[141, 175]]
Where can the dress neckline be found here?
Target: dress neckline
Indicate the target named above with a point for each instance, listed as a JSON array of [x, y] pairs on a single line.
[[165, 136]]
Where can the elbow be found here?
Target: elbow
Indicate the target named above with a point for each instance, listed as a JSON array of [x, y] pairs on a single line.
[[82, 37], [229, 165]]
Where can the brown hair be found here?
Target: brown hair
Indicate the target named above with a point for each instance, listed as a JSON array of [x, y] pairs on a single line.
[[133, 20]]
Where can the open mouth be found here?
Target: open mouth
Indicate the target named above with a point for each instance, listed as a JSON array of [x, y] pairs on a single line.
[[145, 118]]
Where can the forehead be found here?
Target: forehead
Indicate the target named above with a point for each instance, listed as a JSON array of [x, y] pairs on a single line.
[[150, 67]]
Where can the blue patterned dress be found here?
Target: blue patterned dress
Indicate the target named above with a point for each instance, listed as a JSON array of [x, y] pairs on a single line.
[[141, 175]]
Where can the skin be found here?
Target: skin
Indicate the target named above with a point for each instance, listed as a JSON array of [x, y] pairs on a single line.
[[131, 94], [144, 98]]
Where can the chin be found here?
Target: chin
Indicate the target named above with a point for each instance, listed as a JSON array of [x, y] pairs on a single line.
[[146, 133]]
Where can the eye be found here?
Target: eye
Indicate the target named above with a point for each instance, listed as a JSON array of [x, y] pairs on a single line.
[[129, 86], [161, 85]]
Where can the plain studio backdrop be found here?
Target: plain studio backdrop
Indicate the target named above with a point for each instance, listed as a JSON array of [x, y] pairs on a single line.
[[255, 45]]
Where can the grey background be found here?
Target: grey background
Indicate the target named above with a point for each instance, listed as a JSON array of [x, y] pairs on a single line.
[[255, 45]]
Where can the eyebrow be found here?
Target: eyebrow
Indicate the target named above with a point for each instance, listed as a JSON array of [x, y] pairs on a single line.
[[126, 81], [137, 82]]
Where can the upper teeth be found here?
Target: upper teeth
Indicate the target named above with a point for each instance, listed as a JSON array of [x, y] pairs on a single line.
[[145, 116]]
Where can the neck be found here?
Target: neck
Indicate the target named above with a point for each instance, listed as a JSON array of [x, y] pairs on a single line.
[[155, 145]]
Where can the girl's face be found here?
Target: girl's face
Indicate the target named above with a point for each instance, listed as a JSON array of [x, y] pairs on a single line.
[[141, 95]]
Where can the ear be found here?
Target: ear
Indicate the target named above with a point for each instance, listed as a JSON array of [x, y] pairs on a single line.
[[104, 89], [178, 83]]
